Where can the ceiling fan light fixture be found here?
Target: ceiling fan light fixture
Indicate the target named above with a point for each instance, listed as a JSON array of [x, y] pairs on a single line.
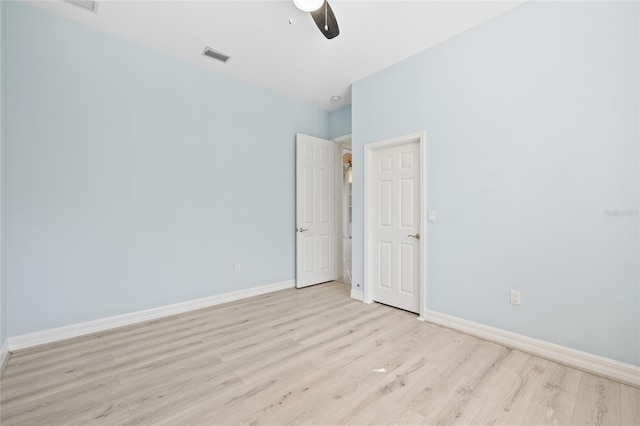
[[308, 5]]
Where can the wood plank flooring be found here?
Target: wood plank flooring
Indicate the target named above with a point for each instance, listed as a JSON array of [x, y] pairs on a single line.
[[309, 356]]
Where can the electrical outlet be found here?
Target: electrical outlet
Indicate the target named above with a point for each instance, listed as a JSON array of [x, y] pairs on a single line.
[[516, 299], [238, 268]]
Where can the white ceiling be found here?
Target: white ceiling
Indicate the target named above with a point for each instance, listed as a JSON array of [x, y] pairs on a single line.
[[294, 60]]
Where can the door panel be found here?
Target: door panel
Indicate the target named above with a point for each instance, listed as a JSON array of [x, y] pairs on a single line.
[[385, 260], [408, 268], [315, 211], [407, 198], [385, 203]]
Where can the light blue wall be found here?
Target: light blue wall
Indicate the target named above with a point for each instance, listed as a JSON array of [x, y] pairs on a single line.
[[3, 287], [340, 122], [137, 180], [532, 133]]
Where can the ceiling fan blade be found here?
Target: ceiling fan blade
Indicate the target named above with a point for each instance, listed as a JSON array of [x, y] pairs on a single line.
[[326, 21]]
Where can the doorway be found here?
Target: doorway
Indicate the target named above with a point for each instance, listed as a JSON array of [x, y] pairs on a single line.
[[346, 214], [323, 210], [395, 226], [344, 183]]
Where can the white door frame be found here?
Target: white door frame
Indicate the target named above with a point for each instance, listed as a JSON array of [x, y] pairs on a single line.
[[369, 150]]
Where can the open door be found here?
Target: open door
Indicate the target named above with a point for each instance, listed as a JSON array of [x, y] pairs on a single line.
[[315, 211]]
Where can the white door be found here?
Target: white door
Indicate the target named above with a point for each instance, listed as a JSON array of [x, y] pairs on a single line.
[[315, 211], [394, 225]]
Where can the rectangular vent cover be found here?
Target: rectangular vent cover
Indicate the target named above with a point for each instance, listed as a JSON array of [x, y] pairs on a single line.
[[87, 4], [215, 54]]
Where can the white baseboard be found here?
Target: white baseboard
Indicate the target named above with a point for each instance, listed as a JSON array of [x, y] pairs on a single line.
[[81, 329], [357, 295], [4, 355], [622, 372]]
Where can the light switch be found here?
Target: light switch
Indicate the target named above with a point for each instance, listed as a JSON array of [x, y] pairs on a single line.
[[431, 215]]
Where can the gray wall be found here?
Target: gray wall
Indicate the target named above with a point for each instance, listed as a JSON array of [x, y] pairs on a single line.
[[137, 180], [532, 133]]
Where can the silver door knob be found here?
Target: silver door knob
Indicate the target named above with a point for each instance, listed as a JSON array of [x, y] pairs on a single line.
[[417, 236], [301, 229]]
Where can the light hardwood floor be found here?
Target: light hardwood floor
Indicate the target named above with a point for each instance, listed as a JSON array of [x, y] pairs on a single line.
[[300, 356]]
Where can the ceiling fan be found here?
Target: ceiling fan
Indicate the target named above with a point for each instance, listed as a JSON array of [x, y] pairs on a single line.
[[322, 15]]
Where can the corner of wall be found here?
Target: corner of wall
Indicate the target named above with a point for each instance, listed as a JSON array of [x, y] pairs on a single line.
[[340, 122], [3, 287]]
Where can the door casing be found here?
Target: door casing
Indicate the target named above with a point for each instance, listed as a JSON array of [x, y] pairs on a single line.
[[369, 150]]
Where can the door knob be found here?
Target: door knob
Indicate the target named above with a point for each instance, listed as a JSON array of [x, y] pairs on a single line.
[[417, 236], [301, 229]]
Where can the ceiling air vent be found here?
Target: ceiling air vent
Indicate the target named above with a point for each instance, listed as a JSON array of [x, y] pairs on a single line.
[[215, 54], [87, 4]]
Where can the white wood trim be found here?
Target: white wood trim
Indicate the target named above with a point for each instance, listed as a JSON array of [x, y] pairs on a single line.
[[4, 356], [421, 138], [337, 203], [609, 368], [423, 223], [368, 159], [342, 139], [357, 295], [81, 329]]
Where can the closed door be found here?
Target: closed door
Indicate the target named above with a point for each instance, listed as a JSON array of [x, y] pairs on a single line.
[[394, 225], [315, 211]]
